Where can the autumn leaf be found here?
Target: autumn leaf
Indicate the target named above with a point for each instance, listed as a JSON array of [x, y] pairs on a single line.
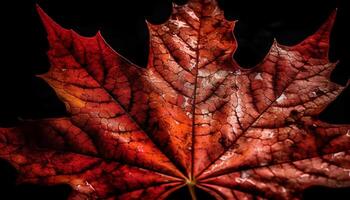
[[193, 118]]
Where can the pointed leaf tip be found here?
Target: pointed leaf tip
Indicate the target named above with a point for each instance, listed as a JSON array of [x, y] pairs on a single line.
[[328, 25], [317, 45], [47, 21], [41, 12]]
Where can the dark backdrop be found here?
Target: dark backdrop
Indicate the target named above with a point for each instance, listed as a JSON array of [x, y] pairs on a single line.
[[123, 25]]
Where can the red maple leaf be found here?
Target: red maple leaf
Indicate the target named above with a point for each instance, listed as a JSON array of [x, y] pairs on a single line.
[[192, 117]]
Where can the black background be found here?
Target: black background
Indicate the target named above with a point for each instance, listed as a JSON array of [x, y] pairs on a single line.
[[122, 23]]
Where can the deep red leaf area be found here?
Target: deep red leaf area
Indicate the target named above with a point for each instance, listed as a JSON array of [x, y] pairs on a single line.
[[192, 118]]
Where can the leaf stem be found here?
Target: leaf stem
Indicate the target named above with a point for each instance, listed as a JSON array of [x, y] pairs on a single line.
[[191, 188]]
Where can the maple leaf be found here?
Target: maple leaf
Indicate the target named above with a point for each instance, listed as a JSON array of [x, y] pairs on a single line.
[[192, 117]]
